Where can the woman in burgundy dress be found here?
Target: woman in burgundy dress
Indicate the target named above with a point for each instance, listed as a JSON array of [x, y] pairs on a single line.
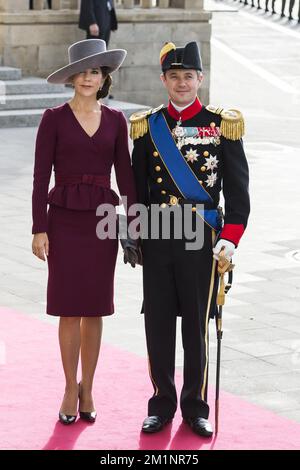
[[80, 140]]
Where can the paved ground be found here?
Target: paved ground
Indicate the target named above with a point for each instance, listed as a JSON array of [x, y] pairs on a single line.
[[255, 67]]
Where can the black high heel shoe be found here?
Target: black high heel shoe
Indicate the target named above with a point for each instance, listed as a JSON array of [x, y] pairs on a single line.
[[89, 416], [68, 419]]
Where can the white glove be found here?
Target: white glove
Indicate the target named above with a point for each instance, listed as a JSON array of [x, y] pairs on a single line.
[[229, 249]]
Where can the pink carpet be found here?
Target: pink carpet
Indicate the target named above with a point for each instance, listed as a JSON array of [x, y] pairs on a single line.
[[32, 387]]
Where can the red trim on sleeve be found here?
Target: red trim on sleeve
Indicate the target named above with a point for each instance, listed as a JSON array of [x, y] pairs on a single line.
[[232, 232]]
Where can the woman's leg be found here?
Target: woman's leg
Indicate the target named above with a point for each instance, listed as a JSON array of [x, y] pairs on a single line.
[[69, 341], [91, 332]]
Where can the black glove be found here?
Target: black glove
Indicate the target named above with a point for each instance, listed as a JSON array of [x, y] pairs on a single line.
[[131, 248], [132, 252]]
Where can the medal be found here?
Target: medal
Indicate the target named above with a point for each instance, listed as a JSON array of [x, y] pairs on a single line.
[[178, 131]]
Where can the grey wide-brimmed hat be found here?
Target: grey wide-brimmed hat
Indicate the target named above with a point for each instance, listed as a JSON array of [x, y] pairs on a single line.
[[87, 54]]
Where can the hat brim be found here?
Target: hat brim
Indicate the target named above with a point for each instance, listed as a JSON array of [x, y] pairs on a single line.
[[111, 59]]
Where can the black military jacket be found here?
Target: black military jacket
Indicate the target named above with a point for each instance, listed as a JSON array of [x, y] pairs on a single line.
[[219, 163]]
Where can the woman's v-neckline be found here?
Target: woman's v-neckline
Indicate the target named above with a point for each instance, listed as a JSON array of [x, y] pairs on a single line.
[[81, 127]]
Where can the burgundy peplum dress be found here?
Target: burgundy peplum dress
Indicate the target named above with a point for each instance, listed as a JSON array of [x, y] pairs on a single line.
[[81, 266]]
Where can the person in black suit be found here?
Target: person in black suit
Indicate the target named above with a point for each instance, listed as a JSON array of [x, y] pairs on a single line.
[[98, 19]]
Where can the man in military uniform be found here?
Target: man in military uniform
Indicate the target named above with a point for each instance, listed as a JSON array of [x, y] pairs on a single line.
[[184, 154]]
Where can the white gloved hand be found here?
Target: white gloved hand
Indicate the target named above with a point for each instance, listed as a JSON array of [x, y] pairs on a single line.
[[229, 249]]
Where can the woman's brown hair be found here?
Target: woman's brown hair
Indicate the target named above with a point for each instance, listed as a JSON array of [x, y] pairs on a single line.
[[106, 85]]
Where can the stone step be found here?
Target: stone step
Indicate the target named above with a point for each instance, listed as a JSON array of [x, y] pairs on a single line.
[[32, 117], [20, 118], [30, 85], [34, 101], [10, 73]]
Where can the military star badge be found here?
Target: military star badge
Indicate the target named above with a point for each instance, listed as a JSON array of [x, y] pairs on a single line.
[[211, 162], [191, 155], [211, 180]]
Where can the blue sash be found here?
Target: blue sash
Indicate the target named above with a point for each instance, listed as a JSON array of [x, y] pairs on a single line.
[[179, 170]]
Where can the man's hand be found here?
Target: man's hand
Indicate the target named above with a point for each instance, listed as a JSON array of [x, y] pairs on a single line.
[[228, 247], [132, 256], [132, 251], [131, 247], [94, 29], [40, 245]]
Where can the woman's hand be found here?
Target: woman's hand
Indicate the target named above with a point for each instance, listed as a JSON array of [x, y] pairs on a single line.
[[40, 245]]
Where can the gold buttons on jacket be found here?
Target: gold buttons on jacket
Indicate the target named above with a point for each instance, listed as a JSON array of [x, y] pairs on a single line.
[[163, 191], [203, 168], [194, 209], [206, 153], [159, 180], [157, 168], [201, 182], [163, 205], [212, 124], [155, 154], [173, 200]]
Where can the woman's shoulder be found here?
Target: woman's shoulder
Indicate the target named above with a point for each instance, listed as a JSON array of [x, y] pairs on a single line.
[[56, 109], [113, 113], [50, 115]]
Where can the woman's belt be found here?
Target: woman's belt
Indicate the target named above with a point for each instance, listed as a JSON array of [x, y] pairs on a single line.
[[98, 180]]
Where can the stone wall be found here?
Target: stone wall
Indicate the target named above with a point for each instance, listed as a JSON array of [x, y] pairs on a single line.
[[37, 42]]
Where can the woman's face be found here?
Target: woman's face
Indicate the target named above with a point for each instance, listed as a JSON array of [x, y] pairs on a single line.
[[88, 82]]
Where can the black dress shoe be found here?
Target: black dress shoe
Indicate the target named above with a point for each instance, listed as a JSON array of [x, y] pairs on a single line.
[[154, 424], [66, 419], [200, 426], [89, 416]]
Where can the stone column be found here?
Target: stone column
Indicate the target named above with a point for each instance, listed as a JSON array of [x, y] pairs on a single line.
[[14, 5], [71, 4], [164, 3], [38, 4], [147, 3], [187, 4], [128, 3], [193, 4], [56, 4]]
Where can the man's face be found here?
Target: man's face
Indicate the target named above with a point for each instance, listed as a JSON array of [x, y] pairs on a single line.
[[182, 85]]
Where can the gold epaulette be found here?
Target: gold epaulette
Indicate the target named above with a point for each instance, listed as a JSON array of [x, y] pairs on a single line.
[[139, 122], [232, 124]]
